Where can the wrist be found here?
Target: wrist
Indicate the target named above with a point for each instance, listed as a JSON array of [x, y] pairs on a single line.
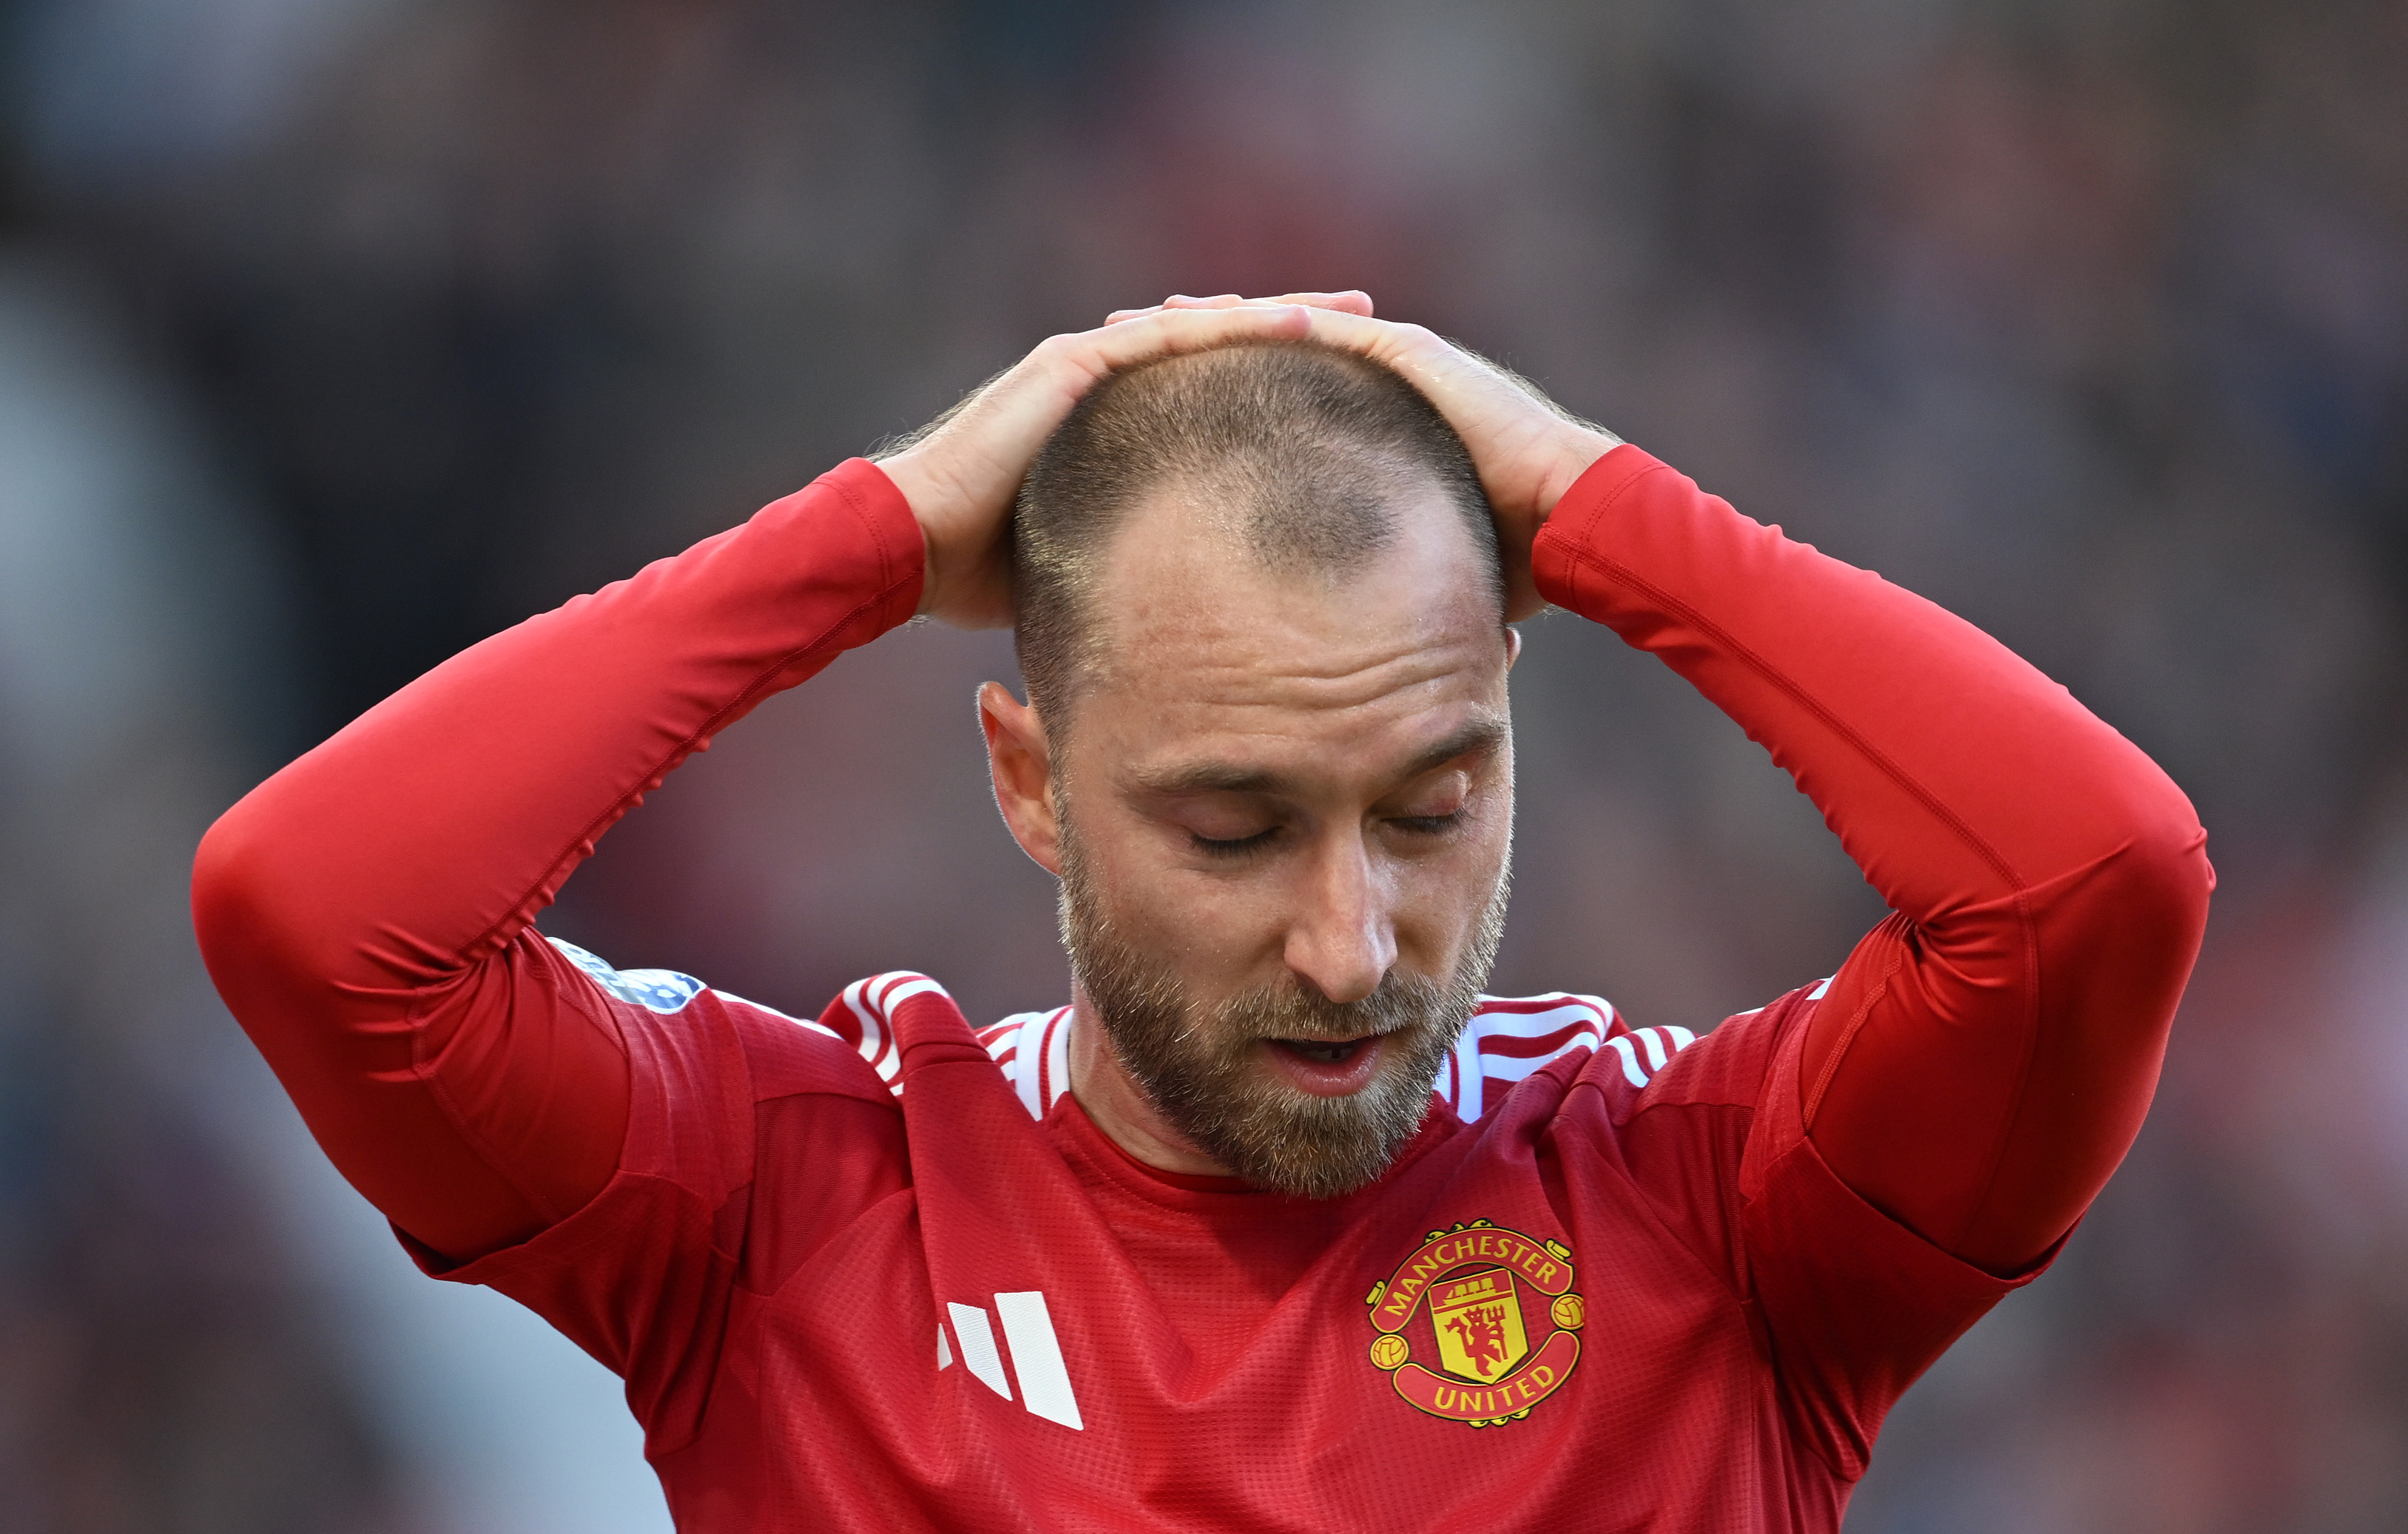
[[908, 471], [1572, 457]]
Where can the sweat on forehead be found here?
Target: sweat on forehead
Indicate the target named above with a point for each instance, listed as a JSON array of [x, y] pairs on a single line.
[[1298, 453]]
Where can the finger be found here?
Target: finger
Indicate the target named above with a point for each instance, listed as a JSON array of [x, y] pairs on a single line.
[[1341, 319], [1165, 331], [1179, 301], [1383, 340], [1351, 301], [1074, 363], [1348, 301], [1464, 388]]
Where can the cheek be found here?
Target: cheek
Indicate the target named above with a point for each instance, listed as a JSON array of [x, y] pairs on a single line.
[[1440, 899], [1205, 925]]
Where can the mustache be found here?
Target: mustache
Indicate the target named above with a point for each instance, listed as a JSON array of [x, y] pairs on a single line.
[[1194, 1057], [1291, 1011]]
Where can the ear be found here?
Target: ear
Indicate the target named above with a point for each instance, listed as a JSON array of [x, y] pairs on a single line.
[[1512, 646], [1022, 767]]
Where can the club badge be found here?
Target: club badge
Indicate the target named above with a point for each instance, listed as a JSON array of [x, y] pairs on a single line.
[[1478, 1325]]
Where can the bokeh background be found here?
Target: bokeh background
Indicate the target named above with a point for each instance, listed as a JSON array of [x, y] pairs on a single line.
[[337, 334]]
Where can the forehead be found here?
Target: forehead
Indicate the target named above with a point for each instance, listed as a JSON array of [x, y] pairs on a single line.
[[1201, 648]]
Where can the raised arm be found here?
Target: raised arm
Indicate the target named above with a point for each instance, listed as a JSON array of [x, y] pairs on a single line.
[[1982, 1062], [366, 912]]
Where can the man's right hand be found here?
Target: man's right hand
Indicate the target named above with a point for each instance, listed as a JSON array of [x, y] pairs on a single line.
[[1528, 451], [961, 475]]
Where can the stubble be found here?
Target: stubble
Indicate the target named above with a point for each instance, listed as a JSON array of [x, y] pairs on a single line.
[[1197, 1062]]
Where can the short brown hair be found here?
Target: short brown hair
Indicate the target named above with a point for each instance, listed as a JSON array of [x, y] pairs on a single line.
[[1308, 440]]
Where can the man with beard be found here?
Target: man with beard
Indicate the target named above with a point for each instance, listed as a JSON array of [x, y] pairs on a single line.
[[1279, 1224]]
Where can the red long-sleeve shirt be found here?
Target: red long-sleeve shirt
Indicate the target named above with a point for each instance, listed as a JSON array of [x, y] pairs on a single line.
[[1701, 1274]]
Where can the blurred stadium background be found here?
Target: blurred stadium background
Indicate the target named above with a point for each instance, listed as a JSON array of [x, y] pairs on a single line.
[[336, 333]]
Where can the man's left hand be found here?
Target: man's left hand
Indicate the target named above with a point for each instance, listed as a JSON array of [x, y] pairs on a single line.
[[1527, 450]]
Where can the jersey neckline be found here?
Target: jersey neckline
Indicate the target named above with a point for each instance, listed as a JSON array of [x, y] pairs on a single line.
[[1084, 1142]]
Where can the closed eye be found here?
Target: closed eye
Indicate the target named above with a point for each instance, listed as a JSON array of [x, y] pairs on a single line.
[[1232, 846], [1428, 825]]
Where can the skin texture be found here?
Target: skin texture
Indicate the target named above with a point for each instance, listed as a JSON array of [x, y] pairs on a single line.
[[960, 476], [1336, 698], [1529, 452], [1283, 784]]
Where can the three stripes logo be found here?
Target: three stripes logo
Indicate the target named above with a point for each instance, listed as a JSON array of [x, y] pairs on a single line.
[[1035, 1354]]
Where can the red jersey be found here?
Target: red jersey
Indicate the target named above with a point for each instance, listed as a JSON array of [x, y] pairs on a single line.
[[879, 1271]]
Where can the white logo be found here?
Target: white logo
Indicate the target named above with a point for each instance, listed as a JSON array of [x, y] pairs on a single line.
[[663, 991], [1036, 1353]]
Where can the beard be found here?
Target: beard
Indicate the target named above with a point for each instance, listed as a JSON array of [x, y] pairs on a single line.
[[1200, 1065]]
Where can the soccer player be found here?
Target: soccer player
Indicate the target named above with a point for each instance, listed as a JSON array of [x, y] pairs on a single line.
[[1279, 1223]]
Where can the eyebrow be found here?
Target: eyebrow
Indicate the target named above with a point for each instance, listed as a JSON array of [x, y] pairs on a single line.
[[1481, 736]]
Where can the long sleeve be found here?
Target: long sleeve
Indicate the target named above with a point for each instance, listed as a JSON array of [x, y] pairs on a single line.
[[367, 911], [1982, 1062]]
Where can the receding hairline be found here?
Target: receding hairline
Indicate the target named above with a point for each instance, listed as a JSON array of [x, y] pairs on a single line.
[[1310, 454], [1222, 509], [1217, 556]]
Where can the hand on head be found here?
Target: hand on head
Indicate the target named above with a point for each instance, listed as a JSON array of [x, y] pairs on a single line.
[[961, 474], [1352, 301]]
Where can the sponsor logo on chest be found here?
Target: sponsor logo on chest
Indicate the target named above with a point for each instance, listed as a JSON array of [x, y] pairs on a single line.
[[1478, 1325]]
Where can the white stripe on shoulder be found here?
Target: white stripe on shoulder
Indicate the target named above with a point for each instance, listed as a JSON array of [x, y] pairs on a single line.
[[873, 1022], [1820, 986], [1645, 1052], [1000, 1039], [1539, 1025], [1526, 1017], [1511, 1038], [1024, 1063], [1056, 1079], [872, 1003], [1032, 1050], [1620, 1044], [1462, 1077], [901, 986], [1655, 1043]]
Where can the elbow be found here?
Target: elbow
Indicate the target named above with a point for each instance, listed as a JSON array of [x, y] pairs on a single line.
[[251, 911], [229, 909], [2158, 882], [289, 905]]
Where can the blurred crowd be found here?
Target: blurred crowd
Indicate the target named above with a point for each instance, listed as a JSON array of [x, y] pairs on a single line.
[[337, 334]]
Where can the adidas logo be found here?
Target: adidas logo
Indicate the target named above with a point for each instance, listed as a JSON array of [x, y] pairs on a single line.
[[1036, 1353]]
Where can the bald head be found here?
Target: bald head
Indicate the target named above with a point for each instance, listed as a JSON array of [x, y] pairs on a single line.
[[1293, 461]]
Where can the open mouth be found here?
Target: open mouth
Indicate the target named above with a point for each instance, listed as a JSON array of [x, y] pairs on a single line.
[[1322, 1052], [1328, 1067]]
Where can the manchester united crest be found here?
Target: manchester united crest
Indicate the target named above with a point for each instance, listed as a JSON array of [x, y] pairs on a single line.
[[1478, 1325]]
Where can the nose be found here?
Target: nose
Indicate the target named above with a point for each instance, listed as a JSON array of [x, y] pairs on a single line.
[[1342, 938]]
